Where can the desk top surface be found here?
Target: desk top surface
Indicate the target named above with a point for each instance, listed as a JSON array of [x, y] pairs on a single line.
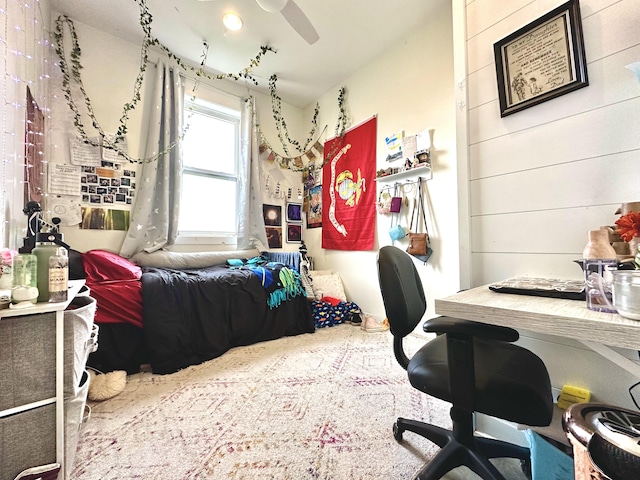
[[552, 316], [45, 307]]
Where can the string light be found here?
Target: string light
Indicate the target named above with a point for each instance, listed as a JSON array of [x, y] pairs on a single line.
[[25, 52]]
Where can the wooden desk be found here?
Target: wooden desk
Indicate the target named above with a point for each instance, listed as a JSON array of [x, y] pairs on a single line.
[[565, 318]]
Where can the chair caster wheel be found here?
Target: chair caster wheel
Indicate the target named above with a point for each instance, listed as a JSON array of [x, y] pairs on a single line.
[[397, 433]]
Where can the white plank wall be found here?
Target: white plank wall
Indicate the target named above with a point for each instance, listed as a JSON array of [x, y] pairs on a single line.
[[541, 178]]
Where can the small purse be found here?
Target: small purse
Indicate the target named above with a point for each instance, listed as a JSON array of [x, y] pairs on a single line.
[[419, 242], [396, 204], [396, 232]]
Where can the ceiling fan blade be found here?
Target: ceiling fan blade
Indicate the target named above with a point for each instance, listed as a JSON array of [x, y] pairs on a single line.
[[299, 21]]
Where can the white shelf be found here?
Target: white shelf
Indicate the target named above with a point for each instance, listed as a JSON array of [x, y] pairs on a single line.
[[414, 172]]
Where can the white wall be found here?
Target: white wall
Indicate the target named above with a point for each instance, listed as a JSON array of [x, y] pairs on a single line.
[[410, 88], [541, 178]]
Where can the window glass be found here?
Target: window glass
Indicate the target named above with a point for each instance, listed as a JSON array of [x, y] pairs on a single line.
[[210, 152]]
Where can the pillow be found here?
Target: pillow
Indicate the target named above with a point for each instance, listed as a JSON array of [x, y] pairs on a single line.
[[104, 266], [327, 285], [179, 260], [317, 273]]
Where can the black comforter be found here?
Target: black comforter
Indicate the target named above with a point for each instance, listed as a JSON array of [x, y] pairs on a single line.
[[191, 316]]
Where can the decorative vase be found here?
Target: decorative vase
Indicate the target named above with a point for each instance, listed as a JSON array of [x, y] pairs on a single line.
[[637, 260]]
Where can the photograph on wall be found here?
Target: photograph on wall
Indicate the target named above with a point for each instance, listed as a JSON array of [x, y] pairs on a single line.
[[294, 233], [96, 218], [294, 212], [274, 237], [314, 214], [272, 215]]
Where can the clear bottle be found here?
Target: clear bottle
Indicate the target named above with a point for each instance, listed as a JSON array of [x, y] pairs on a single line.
[[24, 281], [599, 261], [46, 245], [58, 275]]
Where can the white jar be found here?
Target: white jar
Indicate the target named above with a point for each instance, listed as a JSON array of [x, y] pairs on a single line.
[[626, 293]]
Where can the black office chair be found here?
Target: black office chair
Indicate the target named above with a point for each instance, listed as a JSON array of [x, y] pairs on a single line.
[[472, 365]]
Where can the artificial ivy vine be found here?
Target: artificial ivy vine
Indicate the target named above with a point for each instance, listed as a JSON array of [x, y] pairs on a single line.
[[281, 125], [296, 163], [71, 70]]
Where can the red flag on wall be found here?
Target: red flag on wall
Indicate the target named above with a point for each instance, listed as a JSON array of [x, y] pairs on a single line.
[[348, 189]]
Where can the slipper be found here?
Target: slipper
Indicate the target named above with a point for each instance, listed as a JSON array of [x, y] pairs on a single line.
[[370, 324]]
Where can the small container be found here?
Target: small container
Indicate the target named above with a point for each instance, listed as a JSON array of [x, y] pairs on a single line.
[[626, 293], [600, 262], [58, 275], [24, 281]]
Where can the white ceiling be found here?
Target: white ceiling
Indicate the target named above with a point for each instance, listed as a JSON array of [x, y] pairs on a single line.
[[352, 32]]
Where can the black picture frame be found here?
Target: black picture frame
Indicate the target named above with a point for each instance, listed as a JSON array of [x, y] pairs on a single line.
[[294, 233], [294, 212], [542, 60]]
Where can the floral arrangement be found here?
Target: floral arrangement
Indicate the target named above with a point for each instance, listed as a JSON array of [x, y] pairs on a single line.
[[7, 261], [628, 226]]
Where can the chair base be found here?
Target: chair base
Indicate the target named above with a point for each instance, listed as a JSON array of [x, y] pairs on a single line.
[[455, 453]]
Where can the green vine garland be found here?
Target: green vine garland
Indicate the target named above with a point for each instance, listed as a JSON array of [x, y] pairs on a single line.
[[296, 163], [105, 140], [111, 141]]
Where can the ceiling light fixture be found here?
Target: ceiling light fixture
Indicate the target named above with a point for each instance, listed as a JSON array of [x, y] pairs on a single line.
[[232, 21]]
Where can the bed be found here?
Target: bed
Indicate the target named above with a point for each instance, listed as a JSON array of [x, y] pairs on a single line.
[[171, 310]]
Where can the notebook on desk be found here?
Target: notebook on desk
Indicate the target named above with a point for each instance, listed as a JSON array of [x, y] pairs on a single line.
[[541, 287]]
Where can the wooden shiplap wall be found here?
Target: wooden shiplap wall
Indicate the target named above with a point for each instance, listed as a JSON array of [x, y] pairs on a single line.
[[540, 179]]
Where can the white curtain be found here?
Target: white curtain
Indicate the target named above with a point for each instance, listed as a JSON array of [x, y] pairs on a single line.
[[154, 220], [251, 232]]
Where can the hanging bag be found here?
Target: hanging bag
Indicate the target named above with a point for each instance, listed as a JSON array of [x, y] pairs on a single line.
[[419, 242], [396, 231], [396, 201]]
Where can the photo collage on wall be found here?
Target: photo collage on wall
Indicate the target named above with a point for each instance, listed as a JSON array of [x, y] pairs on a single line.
[[109, 184]]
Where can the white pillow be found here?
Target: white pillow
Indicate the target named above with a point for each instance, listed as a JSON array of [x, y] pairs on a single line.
[[169, 259], [327, 285]]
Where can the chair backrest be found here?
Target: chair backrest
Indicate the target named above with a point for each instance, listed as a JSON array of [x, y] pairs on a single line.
[[402, 292]]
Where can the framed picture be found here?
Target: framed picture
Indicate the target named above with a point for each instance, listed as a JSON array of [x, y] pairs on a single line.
[[274, 237], [294, 233], [542, 60], [294, 212], [314, 214]]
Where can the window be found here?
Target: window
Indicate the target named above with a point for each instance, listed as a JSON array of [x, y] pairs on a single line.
[[210, 172]]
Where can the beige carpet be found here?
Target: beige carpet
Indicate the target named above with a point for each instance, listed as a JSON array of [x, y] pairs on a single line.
[[316, 406]]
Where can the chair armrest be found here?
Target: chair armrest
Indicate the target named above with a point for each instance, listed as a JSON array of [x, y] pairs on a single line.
[[474, 329]]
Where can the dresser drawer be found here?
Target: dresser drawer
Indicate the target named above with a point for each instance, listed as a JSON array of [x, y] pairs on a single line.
[[27, 359]]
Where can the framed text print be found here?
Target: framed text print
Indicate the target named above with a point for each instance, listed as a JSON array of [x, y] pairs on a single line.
[[542, 60]]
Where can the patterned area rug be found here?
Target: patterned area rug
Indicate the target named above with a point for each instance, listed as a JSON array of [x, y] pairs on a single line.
[[316, 406]]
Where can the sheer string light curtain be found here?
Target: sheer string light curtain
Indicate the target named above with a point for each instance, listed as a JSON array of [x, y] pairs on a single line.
[[154, 220], [251, 232]]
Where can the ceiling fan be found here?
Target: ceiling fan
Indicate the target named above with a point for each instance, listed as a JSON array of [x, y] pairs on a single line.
[[292, 14]]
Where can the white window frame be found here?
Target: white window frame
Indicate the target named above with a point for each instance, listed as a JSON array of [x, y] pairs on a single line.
[[216, 110]]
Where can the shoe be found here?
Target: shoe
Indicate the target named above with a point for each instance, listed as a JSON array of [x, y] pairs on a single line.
[[370, 324], [354, 319]]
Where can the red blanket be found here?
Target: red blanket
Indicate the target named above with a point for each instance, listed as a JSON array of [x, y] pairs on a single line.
[[114, 282]]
